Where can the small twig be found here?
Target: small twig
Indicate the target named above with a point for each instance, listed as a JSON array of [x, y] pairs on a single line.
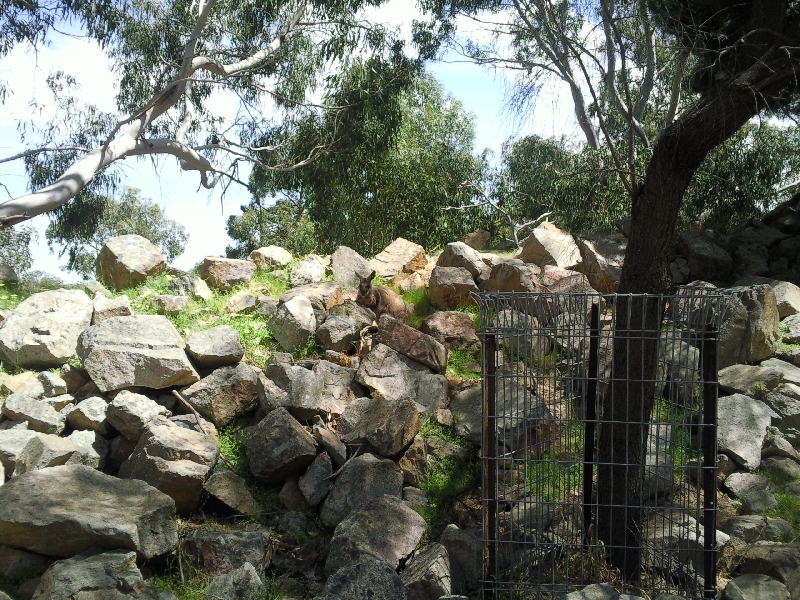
[[340, 469], [188, 406]]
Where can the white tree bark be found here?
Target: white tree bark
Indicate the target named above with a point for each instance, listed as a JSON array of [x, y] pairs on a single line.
[[131, 141]]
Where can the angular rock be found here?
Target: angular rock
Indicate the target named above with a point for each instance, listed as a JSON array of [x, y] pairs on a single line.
[[602, 261], [105, 308], [399, 256], [450, 287], [788, 371], [370, 579], [189, 285], [742, 427], [787, 468], [791, 329], [414, 462], [74, 378], [220, 552], [165, 304], [459, 254], [707, 260], [12, 383], [755, 587], [270, 257], [787, 295], [46, 512], [44, 451], [465, 548], [382, 528], [755, 528], [331, 443], [342, 328], [242, 302], [364, 478], [478, 240], [753, 490], [90, 414], [119, 450], [128, 260], [240, 584], [227, 393], [750, 380], [345, 264], [95, 444], [391, 375], [174, 460], [230, 489], [453, 329], [20, 565], [294, 323], [429, 575], [309, 270], [779, 561], [416, 499], [43, 330], [513, 276], [216, 347], [12, 443], [226, 273], [144, 350], [291, 496], [549, 245], [750, 331], [130, 413], [39, 415], [95, 575], [785, 406], [316, 481], [387, 425], [323, 295], [412, 343], [279, 446]]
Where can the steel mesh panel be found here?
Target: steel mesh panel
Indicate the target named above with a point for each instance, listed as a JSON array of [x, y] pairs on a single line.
[[549, 374]]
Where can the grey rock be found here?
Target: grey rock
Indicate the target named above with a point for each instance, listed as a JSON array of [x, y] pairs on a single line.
[[243, 302], [127, 260], [96, 445], [189, 285], [786, 467], [399, 256], [39, 415], [119, 450], [786, 407], [216, 347], [787, 294], [382, 528], [779, 561], [90, 414], [414, 462], [94, 575], [389, 374], [45, 511], [341, 329], [459, 254], [788, 371], [43, 330], [750, 331], [226, 273], [270, 257], [742, 427], [416, 499], [129, 413], [513, 276], [602, 261], [200, 425], [453, 329], [279, 446], [429, 575], [477, 239], [311, 269], [143, 350], [230, 490], [44, 450], [220, 552], [331, 443], [594, 591], [370, 579], [450, 287], [750, 380], [707, 260], [323, 295], [296, 526], [387, 425], [73, 377], [291, 496], [755, 587], [549, 245], [317, 480], [240, 584], [105, 308], [346, 263], [20, 565], [60, 402], [52, 384], [12, 443], [465, 548], [294, 323], [166, 304], [364, 478], [412, 343], [791, 324], [755, 528], [174, 460], [227, 393], [753, 490]]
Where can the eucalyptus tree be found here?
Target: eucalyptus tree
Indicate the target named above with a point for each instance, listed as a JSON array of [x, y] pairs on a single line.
[[170, 57]]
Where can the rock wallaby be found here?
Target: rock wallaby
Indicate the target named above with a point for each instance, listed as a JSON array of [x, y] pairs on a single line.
[[381, 299]]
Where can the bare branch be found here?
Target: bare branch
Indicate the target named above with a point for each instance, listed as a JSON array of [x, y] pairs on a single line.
[[42, 150]]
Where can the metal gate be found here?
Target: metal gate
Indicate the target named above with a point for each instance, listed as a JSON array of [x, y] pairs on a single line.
[[557, 405]]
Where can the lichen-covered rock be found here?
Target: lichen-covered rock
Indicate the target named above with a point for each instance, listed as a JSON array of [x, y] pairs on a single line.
[[309, 270], [342, 328], [127, 260], [240, 584], [346, 264], [742, 427]]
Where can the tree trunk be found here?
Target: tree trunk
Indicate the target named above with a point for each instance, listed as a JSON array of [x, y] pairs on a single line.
[[627, 407]]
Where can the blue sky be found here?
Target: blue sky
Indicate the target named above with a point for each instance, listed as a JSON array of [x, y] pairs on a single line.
[[204, 213]]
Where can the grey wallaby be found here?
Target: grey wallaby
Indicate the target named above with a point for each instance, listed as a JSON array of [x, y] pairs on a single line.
[[381, 299]]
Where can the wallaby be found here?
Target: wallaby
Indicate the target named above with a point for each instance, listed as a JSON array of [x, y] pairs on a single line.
[[381, 299]]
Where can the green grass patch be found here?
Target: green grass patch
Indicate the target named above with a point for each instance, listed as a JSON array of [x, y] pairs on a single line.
[[463, 363], [447, 480], [431, 428], [788, 509], [422, 306], [192, 588], [552, 479]]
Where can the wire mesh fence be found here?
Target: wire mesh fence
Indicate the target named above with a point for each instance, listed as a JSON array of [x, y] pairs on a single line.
[[599, 442]]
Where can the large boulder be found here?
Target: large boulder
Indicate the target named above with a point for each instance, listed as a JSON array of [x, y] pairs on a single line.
[[363, 478], [450, 287], [346, 264], [220, 552], [227, 393], [65, 510], [43, 330], [412, 343], [787, 294], [270, 257], [175, 461], [387, 425], [399, 256], [602, 261], [142, 350], [279, 446], [46, 450], [382, 528], [431, 574], [458, 254], [341, 330], [95, 575], [294, 323], [128, 260], [707, 260], [389, 374], [742, 428], [216, 347], [750, 331], [549, 245], [513, 276], [309, 270], [370, 579], [226, 273], [453, 329]]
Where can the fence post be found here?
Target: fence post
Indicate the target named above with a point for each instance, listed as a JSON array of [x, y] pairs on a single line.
[[709, 367], [591, 419], [489, 466]]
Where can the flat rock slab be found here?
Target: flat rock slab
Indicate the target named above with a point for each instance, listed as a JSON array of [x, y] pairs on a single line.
[[412, 343], [39, 415], [215, 347], [142, 350], [382, 528], [93, 575], [230, 489], [63, 511], [743, 423], [43, 330], [755, 528], [755, 587]]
